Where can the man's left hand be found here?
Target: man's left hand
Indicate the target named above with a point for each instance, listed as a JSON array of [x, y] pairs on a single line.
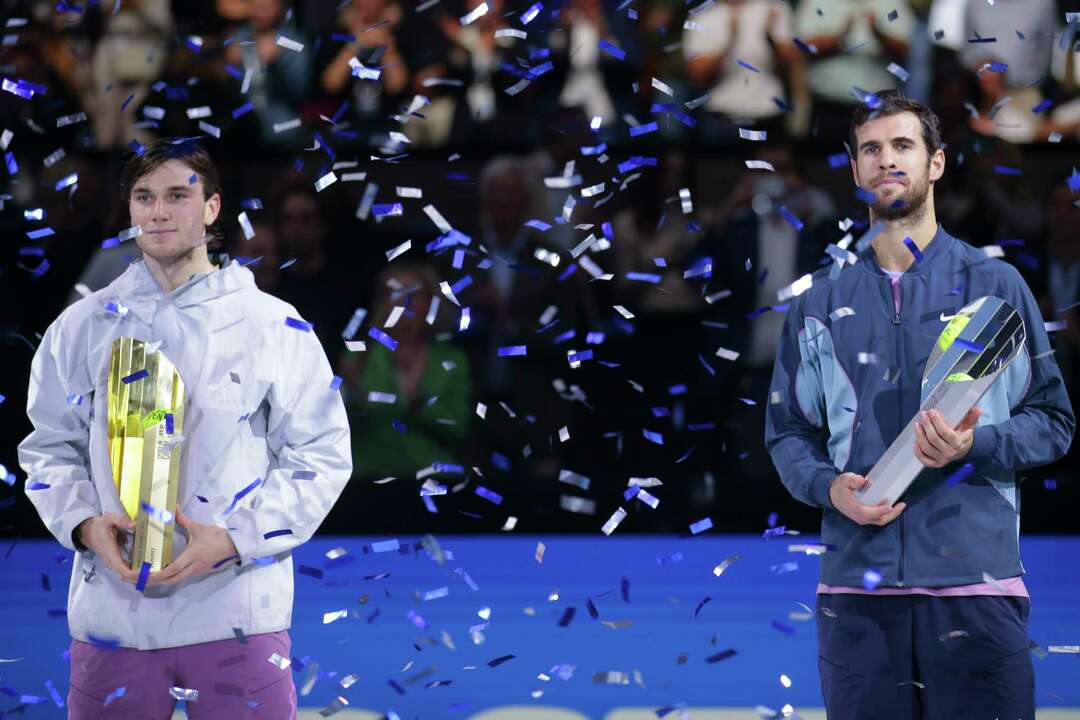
[[937, 445], [208, 547]]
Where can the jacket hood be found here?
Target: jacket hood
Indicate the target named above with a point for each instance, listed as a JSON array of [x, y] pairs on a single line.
[[138, 290]]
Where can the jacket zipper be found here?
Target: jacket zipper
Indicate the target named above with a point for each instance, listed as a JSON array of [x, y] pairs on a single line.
[[897, 319]]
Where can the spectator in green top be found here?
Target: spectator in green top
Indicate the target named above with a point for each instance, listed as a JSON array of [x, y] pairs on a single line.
[[408, 408]]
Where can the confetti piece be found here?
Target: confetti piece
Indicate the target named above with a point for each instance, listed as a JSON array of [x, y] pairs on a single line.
[[135, 376], [280, 662], [969, 345], [513, 351], [754, 135], [382, 338], [298, 324], [184, 694], [790, 217], [914, 249], [489, 495], [115, 694], [65, 120], [611, 677], [500, 660], [1065, 649], [579, 505], [529, 15], [701, 526], [475, 14], [245, 225], [760, 165], [643, 129], [724, 565], [727, 354], [898, 71], [613, 522], [144, 576], [871, 579], [289, 44], [612, 50], [748, 66]]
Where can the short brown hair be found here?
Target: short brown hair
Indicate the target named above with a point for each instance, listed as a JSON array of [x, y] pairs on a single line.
[[894, 102], [187, 151]]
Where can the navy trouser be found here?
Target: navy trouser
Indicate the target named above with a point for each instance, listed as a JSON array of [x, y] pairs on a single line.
[[923, 657]]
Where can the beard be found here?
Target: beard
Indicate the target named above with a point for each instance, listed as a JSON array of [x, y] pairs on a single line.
[[911, 202]]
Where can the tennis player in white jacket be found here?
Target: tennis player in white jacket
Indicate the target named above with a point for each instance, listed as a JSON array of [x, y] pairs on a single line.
[[265, 455]]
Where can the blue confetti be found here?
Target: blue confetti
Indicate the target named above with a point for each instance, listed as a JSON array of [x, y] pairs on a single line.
[[643, 129], [865, 196], [242, 110], [653, 437], [838, 160], [790, 217], [1005, 170], [382, 338], [613, 51], [914, 249], [277, 533], [388, 210], [336, 382], [644, 277], [298, 324], [748, 66], [310, 571], [701, 526], [960, 475], [969, 345], [513, 350], [66, 181], [137, 375], [579, 356], [117, 693], [1042, 107], [240, 495], [871, 579], [144, 575], [38, 234], [12, 166], [489, 495]]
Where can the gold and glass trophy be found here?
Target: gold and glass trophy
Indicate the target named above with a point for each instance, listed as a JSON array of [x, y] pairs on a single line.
[[146, 420]]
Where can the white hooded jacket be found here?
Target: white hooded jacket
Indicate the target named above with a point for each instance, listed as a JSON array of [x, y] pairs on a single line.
[[260, 407]]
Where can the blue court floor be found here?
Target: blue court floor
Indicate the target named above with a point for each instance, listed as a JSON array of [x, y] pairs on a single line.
[[509, 637]]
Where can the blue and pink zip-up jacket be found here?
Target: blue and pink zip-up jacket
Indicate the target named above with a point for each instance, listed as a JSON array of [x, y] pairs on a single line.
[[830, 413]]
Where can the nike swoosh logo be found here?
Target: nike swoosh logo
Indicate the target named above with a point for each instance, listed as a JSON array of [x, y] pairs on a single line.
[[947, 318]]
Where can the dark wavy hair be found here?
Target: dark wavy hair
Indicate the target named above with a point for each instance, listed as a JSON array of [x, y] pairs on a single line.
[[894, 102], [187, 151]]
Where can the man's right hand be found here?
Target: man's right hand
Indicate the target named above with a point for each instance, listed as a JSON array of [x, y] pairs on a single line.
[[842, 495], [102, 535]]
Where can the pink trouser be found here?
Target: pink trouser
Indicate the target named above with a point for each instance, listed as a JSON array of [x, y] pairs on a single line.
[[234, 680]]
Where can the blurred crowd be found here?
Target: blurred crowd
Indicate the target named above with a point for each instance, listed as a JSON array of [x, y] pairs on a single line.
[[464, 72], [499, 117]]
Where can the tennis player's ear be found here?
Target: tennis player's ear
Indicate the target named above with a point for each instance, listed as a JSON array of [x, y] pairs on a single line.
[[211, 209]]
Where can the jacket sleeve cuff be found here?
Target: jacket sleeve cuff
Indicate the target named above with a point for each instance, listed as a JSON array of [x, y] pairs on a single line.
[[819, 488], [242, 541], [73, 542], [983, 444]]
